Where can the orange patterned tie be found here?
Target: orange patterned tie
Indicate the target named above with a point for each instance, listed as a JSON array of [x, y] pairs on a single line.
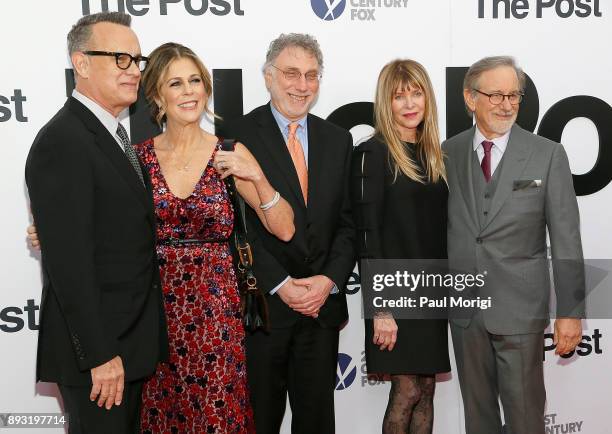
[[299, 161]]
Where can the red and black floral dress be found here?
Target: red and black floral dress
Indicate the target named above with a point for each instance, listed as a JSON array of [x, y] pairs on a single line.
[[203, 388]]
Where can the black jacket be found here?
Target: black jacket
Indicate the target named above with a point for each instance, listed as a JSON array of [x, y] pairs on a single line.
[[324, 233], [101, 290]]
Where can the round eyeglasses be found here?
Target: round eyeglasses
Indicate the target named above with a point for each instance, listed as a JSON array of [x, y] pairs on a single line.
[[295, 75], [498, 98]]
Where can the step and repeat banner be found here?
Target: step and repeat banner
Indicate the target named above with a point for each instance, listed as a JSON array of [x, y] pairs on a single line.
[[563, 45]]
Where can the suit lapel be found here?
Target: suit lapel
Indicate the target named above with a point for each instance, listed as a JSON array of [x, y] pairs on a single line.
[[514, 160], [149, 197], [316, 158], [109, 146], [277, 148], [463, 168]]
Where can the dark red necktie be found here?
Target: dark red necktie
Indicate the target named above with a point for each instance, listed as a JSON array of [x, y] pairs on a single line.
[[485, 164]]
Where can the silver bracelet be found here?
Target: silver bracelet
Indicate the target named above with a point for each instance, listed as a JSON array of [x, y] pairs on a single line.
[[274, 201]]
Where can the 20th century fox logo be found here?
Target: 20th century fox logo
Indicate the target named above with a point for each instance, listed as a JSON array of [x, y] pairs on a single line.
[[542, 8]]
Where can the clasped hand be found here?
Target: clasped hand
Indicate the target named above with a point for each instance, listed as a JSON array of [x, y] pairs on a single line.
[[307, 295]]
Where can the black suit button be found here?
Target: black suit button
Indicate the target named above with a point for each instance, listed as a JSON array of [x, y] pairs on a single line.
[[306, 259], [487, 195], [486, 212], [479, 240]]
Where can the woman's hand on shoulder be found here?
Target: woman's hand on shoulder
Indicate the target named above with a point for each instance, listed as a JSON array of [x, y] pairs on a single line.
[[33, 237]]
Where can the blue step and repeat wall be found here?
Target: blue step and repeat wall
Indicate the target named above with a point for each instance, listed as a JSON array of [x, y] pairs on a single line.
[[563, 45]]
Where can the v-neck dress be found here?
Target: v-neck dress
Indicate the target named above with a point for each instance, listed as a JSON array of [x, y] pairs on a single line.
[[203, 388]]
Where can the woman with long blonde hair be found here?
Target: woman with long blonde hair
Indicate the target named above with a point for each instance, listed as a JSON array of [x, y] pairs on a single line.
[[399, 195]]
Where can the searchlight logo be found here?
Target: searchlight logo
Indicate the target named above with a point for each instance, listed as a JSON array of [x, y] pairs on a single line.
[[328, 10], [346, 371]]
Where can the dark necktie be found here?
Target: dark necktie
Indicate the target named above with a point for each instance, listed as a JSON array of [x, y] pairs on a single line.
[[485, 164], [129, 151]]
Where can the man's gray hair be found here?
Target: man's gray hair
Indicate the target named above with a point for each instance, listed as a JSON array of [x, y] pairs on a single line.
[[302, 40], [80, 34], [488, 63]]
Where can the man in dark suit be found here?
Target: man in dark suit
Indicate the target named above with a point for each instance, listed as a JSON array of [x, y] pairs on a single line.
[[507, 189], [102, 322], [307, 160]]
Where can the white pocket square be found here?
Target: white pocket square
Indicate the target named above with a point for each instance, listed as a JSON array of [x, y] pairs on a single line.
[[522, 184]]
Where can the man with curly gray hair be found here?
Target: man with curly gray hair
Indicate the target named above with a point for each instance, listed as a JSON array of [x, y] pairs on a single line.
[[306, 159]]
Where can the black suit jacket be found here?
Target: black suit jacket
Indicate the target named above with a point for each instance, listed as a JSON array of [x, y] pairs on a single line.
[[101, 290], [324, 233]]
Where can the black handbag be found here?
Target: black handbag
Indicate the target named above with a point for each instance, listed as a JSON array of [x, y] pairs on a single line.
[[253, 304]]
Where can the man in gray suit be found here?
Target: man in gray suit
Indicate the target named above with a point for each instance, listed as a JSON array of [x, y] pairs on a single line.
[[506, 188]]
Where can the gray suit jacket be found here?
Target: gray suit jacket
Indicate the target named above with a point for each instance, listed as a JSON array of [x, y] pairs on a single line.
[[534, 193]]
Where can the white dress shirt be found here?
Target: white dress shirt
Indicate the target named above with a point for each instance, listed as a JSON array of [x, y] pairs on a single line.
[[497, 150], [302, 135], [301, 132], [108, 120]]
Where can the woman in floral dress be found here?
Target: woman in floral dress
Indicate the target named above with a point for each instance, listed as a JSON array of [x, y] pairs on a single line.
[[203, 387]]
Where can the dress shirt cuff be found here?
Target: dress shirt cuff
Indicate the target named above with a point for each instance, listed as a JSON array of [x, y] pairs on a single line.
[[277, 287], [334, 290]]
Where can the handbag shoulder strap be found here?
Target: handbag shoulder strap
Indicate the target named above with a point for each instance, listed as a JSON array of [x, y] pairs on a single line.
[[240, 228]]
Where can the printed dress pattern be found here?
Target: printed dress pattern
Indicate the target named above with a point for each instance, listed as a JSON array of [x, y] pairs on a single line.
[[203, 388]]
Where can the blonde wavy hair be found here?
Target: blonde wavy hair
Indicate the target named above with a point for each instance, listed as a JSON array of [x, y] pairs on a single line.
[[400, 75]]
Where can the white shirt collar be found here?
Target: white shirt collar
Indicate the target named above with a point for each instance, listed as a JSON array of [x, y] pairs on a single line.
[[108, 120], [500, 142]]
